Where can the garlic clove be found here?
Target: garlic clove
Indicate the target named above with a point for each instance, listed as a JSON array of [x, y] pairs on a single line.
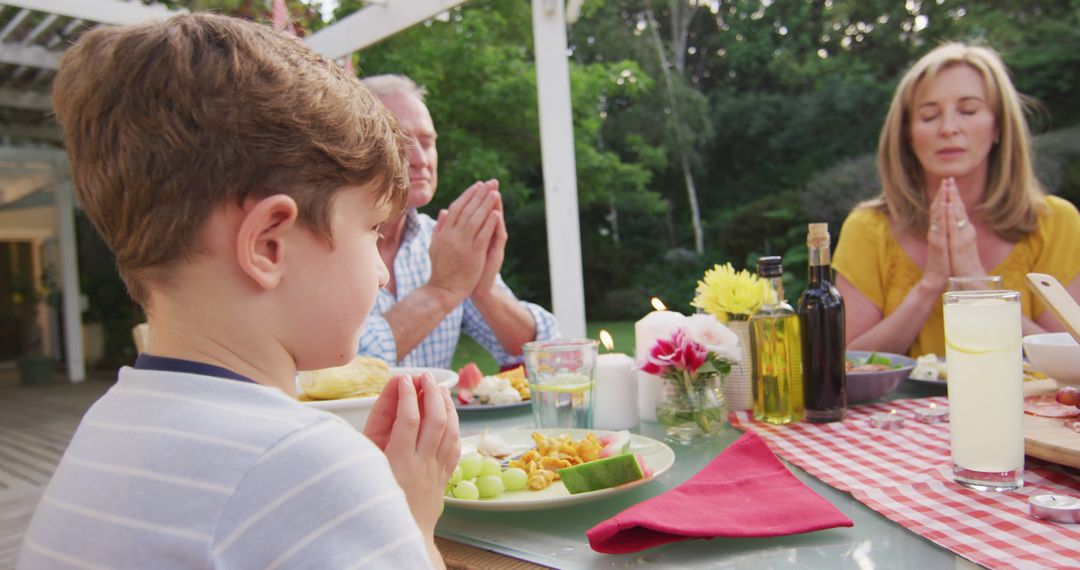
[[493, 446]]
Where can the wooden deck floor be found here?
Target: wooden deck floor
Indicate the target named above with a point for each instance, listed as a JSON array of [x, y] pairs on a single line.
[[36, 424]]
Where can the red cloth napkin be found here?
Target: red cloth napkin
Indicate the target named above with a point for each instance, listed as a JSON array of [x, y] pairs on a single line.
[[744, 492]]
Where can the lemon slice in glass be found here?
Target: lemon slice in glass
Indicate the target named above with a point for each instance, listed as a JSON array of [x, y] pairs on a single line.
[[564, 384]]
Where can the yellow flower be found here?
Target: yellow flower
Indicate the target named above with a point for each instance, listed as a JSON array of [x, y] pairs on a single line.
[[728, 294]]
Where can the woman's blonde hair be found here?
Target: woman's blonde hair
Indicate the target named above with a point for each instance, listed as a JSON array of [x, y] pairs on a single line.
[[1013, 197]]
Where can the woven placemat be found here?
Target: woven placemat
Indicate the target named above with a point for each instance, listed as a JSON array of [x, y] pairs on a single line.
[[460, 556]]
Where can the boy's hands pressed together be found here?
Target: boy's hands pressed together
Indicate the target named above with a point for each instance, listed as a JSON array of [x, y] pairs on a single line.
[[415, 424]]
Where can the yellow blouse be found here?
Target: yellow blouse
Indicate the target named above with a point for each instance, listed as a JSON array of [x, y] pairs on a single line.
[[869, 256]]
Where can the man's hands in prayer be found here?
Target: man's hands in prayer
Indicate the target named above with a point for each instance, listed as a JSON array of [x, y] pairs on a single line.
[[462, 242], [496, 251]]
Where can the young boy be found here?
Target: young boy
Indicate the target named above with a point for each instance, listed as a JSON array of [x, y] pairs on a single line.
[[240, 180]]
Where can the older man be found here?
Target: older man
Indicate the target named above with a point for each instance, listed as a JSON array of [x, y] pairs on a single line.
[[444, 274]]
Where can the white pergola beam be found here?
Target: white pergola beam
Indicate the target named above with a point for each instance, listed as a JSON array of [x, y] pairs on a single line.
[[29, 56], [39, 29], [25, 100], [559, 167], [103, 11], [392, 16]]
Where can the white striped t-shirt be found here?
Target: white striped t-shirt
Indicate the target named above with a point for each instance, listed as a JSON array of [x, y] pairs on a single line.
[[176, 470]]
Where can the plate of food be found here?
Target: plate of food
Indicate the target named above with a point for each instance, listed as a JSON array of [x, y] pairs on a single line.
[[476, 391], [871, 375], [527, 470], [349, 391], [930, 370]]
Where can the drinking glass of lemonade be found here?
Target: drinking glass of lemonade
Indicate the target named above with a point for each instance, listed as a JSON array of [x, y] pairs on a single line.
[[561, 381], [986, 399], [980, 283]]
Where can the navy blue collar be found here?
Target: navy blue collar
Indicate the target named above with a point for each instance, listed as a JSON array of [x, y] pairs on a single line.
[[166, 364]]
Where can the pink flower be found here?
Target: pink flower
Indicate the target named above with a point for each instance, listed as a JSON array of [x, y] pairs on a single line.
[[676, 352]]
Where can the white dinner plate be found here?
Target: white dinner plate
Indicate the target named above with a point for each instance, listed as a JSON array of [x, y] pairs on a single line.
[[356, 410], [657, 455], [442, 376], [938, 382], [475, 407]]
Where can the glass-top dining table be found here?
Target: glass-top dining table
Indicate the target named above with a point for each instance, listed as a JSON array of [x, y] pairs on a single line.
[[556, 537]]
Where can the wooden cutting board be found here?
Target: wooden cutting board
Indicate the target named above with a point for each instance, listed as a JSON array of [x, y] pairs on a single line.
[[1048, 438]]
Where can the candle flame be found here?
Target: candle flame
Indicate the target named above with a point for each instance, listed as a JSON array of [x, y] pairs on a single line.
[[658, 304], [892, 411], [606, 340], [933, 405]]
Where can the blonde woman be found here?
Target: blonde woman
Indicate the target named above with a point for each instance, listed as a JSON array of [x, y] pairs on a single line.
[[959, 198]]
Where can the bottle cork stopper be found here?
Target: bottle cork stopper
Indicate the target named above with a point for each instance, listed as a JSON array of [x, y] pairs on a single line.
[[818, 234]]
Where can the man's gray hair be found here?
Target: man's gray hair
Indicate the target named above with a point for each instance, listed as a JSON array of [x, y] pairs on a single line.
[[388, 84]]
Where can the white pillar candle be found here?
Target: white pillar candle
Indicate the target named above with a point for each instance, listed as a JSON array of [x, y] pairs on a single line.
[[615, 403], [654, 325]]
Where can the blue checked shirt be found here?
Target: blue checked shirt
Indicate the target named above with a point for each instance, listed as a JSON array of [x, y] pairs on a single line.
[[412, 268]]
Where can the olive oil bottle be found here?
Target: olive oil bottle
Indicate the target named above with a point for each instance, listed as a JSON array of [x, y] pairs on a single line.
[[776, 353]]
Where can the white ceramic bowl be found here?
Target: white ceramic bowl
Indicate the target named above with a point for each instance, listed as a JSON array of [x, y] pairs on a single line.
[[356, 410], [1055, 354]]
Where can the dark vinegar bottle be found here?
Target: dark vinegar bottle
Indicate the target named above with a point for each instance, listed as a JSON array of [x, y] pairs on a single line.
[[821, 316]]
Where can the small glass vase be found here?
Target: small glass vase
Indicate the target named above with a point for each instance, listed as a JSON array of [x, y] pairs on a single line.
[[691, 410]]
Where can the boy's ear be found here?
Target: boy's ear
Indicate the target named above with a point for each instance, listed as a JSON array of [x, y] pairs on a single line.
[[260, 243]]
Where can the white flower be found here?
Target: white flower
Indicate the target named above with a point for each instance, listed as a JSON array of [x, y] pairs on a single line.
[[714, 336]]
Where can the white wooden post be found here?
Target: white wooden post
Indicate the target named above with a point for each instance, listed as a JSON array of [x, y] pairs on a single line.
[[560, 175], [69, 275]]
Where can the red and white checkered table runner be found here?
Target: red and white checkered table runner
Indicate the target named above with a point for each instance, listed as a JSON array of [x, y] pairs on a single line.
[[906, 476]]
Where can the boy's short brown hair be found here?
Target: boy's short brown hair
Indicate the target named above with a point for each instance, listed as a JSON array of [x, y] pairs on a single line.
[[167, 120]]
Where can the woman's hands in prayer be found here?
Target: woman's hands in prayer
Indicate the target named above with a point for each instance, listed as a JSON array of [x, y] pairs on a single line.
[[952, 245], [938, 263]]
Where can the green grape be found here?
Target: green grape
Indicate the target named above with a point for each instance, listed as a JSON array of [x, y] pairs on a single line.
[[449, 490], [490, 466], [466, 490], [489, 486], [514, 479], [470, 465], [457, 475]]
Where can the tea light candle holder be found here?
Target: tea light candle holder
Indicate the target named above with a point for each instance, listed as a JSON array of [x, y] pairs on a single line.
[[889, 422], [1057, 508], [932, 415]]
